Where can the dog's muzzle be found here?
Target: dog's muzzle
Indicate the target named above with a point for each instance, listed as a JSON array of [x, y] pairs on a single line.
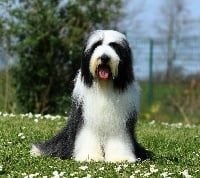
[[104, 63], [103, 69]]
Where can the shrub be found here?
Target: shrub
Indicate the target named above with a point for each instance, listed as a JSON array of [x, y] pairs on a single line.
[[49, 43]]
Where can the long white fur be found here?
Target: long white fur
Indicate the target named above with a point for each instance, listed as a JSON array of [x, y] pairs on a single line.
[[104, 113]]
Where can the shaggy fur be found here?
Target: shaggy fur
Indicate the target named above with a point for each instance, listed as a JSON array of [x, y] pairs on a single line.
[[105, 105]]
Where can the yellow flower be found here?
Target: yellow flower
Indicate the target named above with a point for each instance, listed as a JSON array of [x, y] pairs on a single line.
[[147, 116], [155, 108]]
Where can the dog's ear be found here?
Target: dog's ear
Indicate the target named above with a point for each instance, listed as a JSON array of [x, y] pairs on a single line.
[[86, 76], [85, 62], [125, 69]]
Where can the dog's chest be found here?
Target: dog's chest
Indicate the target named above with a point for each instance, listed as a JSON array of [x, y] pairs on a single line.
[[106, 111]]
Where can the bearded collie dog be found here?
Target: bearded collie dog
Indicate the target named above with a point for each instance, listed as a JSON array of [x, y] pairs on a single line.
[[105, 105]]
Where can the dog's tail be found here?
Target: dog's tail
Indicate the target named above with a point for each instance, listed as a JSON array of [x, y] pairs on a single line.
[[36, 151]]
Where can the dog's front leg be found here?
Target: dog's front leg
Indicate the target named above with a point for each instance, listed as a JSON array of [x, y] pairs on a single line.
[[87, 147], [119, 149]]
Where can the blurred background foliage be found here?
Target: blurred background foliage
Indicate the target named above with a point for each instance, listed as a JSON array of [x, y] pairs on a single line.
[[41, 42], [47, 39]]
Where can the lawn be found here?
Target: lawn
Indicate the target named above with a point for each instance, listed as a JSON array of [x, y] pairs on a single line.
[[176, 149]]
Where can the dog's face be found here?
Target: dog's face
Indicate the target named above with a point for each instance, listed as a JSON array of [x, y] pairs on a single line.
[[107, 57]]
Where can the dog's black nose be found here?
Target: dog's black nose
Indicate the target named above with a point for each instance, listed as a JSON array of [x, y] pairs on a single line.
[[105, 59]]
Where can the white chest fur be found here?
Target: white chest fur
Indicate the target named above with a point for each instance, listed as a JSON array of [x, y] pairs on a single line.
[[105, 112], [105, 109]]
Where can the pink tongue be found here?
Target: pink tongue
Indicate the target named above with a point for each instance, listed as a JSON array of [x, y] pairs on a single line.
[[103, 72]]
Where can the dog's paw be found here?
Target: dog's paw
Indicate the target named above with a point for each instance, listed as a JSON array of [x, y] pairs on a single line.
[[92, 156], [89, 158], [35, 151], [120, 158]]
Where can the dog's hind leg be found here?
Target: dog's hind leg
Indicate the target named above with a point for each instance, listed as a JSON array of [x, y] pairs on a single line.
[[62, 145], [141, 152]]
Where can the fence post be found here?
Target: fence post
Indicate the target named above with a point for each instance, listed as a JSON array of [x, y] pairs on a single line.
[[150, 90]]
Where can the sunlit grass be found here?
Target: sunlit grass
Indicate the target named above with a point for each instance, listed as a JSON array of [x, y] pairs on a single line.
[[175, 147]]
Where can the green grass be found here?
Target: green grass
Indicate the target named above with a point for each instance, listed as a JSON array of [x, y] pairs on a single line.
[[176, 149]]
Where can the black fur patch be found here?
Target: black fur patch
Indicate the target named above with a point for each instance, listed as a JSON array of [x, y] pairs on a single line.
[[125, 71], [85, 62], [62, 145], [140, 152]]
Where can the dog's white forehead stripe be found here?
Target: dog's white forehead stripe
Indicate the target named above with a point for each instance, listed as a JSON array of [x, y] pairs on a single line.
[[107, 36]]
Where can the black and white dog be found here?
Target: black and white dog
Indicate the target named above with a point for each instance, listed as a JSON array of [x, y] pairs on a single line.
[[105, 104]]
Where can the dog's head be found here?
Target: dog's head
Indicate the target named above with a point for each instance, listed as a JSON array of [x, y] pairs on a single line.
[[107, 57]]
